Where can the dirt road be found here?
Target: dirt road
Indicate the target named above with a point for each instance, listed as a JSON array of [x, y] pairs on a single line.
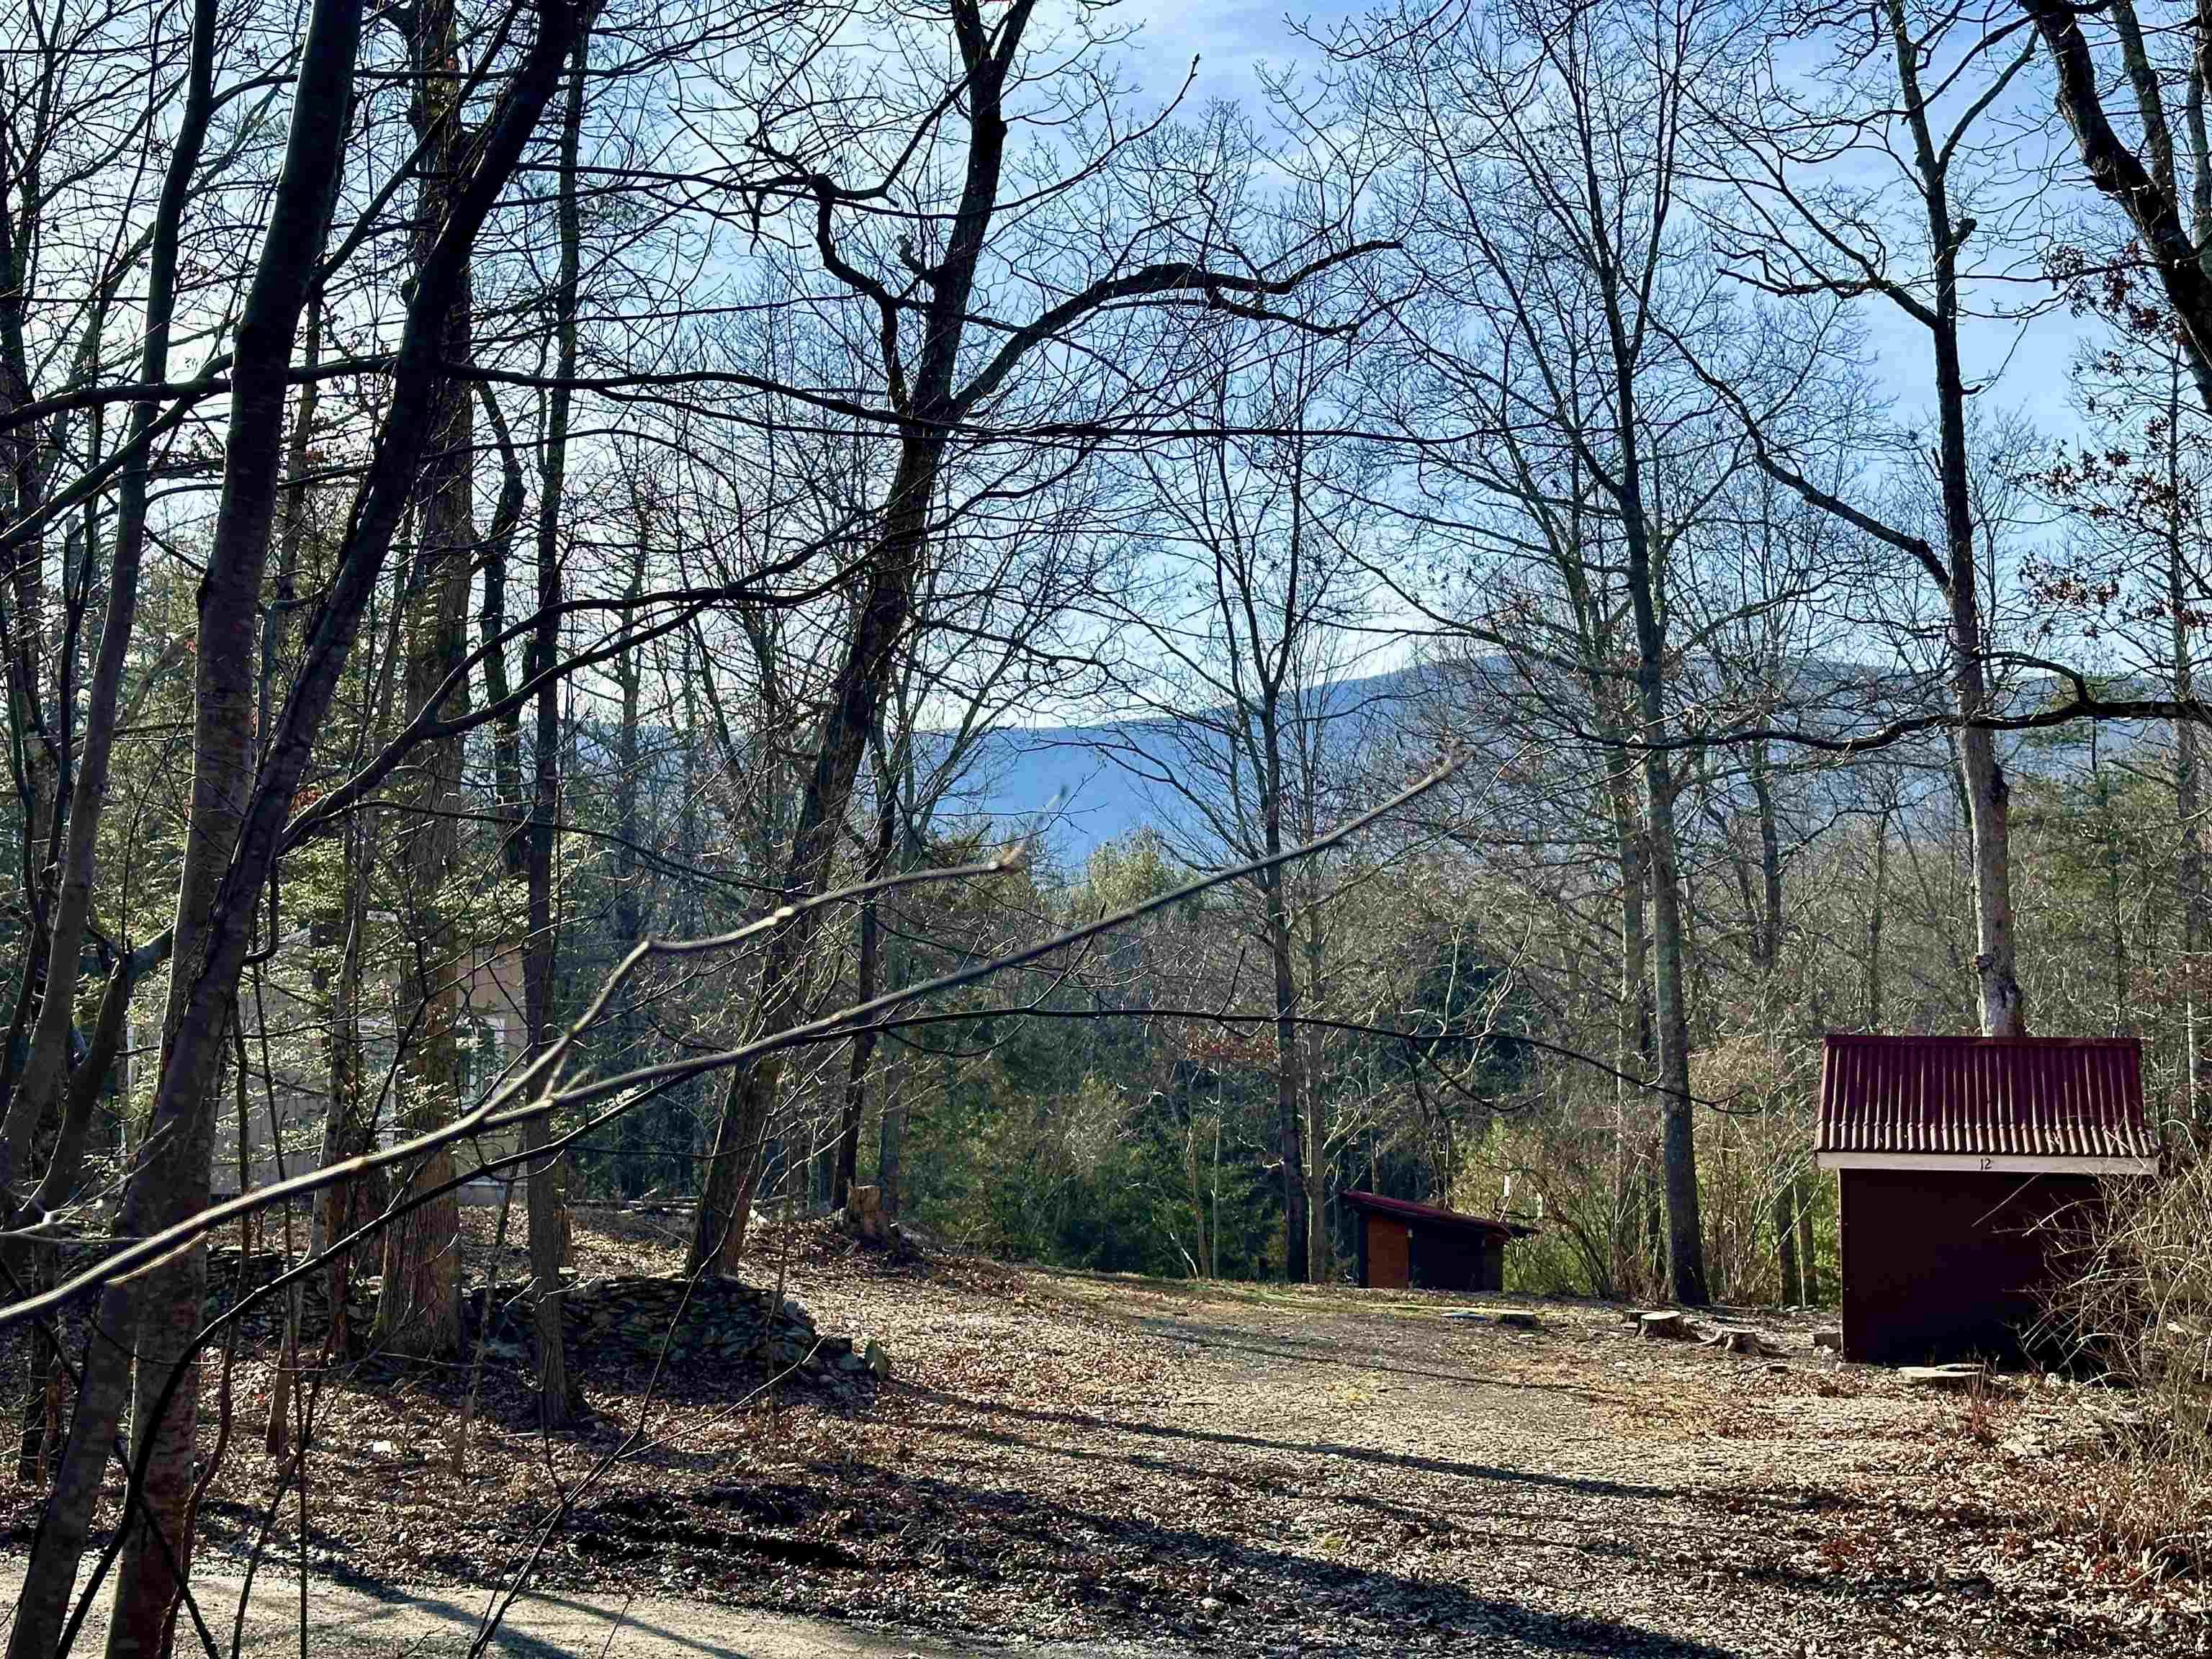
[[1078, 1464], [353, 1622]]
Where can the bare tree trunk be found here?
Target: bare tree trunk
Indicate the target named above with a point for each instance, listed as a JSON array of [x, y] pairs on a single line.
[[559, 1400], [2116, 885], [734, 1157], [1877, 908], [1785, 1242], [1635, 1042], [2195, 903], [509, 804], [1989, 798], [214, 919], [59, 1185], [889, 1148], [418, 1310], [164, 1309], [864, 1041], [932, 399], [1987, 795], [347, 1132], [41, 1083], [349, 1127], [30, 1267], [1321, 1249], [1770, 870], [630, 910], [1290, 1117], [1768, 954], [1320, 1246], [40, 746], [1808, 1264], [1686, 1247]]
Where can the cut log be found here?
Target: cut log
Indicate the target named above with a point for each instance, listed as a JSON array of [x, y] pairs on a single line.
[[1667, 1323], [1829, 1337], [1736, 1340]]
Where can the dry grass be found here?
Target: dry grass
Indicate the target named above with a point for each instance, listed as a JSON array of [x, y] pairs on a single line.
[[2148, 1517], [1982, 1422], [2137, 1314]]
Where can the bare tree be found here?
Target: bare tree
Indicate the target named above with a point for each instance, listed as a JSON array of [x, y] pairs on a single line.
[[1257, 584], [1913, 100], [418, 1308], [925, 309], [1551, 154], [239, 809]]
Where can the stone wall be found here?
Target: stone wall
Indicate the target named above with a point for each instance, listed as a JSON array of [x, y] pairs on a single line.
[[608, 1322], [630, 1320]]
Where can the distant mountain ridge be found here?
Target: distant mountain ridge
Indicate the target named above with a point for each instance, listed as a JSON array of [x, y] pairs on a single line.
[[1065, 781]]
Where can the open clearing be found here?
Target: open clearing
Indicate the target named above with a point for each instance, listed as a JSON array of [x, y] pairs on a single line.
[[1075, 1461]]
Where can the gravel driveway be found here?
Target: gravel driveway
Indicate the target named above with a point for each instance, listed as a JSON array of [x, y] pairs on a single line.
[[1089, 1462]]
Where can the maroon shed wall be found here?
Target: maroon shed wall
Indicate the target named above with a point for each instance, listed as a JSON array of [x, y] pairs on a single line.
[[1449, 1259], [1944, 1265]]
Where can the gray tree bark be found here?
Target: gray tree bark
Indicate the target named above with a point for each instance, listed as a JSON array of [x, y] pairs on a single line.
[[418, 1308], [559, 1400], [229, 854], [856, 692], [1988, 795], [40, 1086], [855, 1103]]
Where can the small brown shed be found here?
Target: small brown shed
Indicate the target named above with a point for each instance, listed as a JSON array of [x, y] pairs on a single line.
[[1402, 1245], [1965, 1165]]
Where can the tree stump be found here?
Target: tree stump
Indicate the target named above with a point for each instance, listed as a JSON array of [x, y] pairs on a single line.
[[1959, 1379], [864, 1212]]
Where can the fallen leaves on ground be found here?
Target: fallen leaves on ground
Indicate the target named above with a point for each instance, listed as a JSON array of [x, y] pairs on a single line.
[[1239, 1470]]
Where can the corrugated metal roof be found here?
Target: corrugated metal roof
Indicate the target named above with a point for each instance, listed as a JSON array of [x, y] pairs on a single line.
[[1966, 1097], [1407, 1210]]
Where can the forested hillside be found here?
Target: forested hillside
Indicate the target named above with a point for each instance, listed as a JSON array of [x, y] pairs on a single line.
[[750, 609]]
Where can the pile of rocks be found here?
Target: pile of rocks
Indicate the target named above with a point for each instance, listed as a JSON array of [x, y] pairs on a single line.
[[621, 1321], [637, 1320]]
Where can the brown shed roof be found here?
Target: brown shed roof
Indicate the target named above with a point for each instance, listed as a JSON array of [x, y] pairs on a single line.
[[2020, 1102], [1430, 1215]]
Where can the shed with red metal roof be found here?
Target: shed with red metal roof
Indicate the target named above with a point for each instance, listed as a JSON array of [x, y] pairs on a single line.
[[1402, 1245], [1968, 1167]]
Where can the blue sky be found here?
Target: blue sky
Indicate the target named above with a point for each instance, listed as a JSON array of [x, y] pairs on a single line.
[[2029, 366]]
